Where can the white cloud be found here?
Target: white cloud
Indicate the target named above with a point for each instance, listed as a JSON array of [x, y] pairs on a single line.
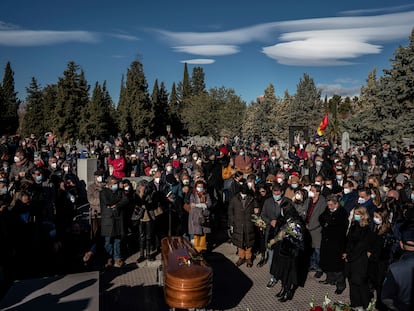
[[199, 61], [338, 89], [44, 37], [208, 50], [379, 10], [124, 37], [329, 41]]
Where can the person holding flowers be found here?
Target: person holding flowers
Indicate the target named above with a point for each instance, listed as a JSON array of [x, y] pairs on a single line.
[[288, 246]]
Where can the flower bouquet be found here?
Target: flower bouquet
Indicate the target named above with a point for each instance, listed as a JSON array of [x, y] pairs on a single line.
[[329, 305], [290, 230], [258, 221]]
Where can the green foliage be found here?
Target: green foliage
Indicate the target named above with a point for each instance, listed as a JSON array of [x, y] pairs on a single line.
[[387, 103], [134, 109], [160, 109], [72, 98], [33, 119], [306, 108], [97, 121], [9, 103], [198, 85]]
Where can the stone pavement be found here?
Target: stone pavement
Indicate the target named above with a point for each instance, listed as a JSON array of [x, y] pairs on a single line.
[[136, 287]]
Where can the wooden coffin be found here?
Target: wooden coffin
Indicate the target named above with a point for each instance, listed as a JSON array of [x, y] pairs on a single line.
[[188, 280]]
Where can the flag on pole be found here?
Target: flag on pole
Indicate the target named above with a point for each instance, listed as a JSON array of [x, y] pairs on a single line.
[[323, 125]]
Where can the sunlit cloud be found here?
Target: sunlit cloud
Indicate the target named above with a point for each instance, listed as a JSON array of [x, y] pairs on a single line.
[[398, 8], [208, 50], [198, 61], [328, 41], [124, 37], [338, 89], [44, 37]]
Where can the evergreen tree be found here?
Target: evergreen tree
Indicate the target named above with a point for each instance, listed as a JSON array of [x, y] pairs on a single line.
[[184, 87], [9, 103], [97, 117], [134, 110], [174, 105], [198, 85], [230, 112], [306, 109], [72, 98], [49, 98], [280, 125], [160, 111], [33, 119]]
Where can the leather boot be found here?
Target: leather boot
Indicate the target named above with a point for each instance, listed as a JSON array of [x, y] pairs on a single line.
[[263, 260], [288, 295], [281, 293], [149, 257], [141, 257]]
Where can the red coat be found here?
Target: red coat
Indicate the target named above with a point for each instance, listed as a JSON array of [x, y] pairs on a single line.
[[119, 166]]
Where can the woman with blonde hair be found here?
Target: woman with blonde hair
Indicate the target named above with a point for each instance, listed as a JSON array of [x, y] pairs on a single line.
[[356, 256], [198, 218]]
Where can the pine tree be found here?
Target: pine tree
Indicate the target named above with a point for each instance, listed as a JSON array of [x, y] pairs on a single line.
[[198, 85], [49, 98], [160, 113], [9, 103], [135, 110], [33, 119], [306, 109], [72, 98], [174, 105]]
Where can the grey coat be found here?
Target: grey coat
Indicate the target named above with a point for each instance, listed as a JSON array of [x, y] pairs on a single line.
[[240, 213], [314, 227], [196, 212]]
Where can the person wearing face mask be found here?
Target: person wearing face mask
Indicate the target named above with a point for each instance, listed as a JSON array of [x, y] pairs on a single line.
[[381, 253], [315, 204], [356, 255], [327, 188], [241, 208], [272, 165], [198, 226], [270, 214], [349, 196], [92, 192], [293, 185], [320, 167], [21, 166], [299, 202], [118, 163], [366, 200], [334, 222], [243, 162], [113, 202]]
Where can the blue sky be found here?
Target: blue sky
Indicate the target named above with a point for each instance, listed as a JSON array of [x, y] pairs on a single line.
[[243, 45]]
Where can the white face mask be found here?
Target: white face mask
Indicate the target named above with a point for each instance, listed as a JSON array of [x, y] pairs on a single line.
[[273, 158], [53, 165], [126, 188], [249, 185], [318, 183], [16, 159], [311, 194], [298, 197], [377, 220], [329, 186], [66, 169], [99, 179], [279, 180], [243, 196], [157, 180], [347, 190]]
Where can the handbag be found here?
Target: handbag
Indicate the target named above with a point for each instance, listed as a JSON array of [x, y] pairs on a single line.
[[137, 214], [187, 207]]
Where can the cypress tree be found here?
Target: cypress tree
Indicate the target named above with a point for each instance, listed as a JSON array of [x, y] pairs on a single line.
[[9, 103], [33, 119]]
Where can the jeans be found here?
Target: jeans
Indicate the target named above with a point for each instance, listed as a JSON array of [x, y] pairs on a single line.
[[113, 247], [314, 260]]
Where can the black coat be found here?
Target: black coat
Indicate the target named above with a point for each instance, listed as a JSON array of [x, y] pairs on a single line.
[[112, 219], [240, 213], [359, 240], [333, 242]]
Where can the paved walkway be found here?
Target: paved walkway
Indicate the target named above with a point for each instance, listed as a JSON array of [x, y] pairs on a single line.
[[136, 288]]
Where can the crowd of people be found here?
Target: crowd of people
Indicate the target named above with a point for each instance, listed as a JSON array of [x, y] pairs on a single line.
[[345, 214]]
